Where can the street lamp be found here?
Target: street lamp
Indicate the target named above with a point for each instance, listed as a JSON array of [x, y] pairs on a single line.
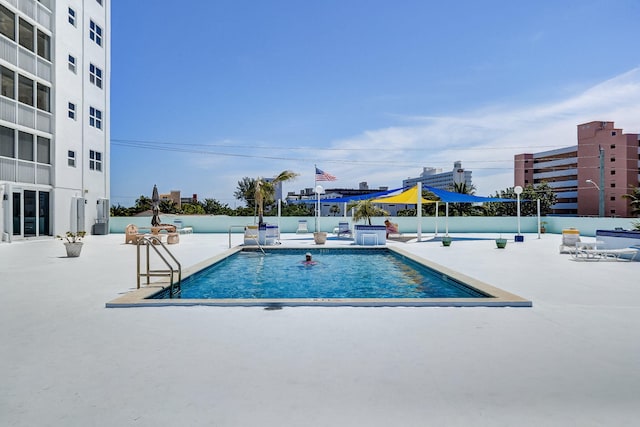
[[518, 190], [319, 191], [600, 197]]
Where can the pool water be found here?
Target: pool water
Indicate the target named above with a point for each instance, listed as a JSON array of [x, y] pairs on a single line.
[[337, 273]]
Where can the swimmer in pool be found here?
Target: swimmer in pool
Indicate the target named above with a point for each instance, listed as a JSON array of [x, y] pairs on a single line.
[[308, 260]]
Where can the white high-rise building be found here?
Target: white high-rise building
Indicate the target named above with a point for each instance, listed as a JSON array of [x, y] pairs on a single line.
[[54, 117]]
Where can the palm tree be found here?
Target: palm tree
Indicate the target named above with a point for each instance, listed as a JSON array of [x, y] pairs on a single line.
[[266, 190], [634, 199], [365, 209]]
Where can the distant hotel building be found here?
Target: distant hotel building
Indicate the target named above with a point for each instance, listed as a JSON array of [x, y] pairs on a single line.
[[54, 117], [442, 180], [567, 170]]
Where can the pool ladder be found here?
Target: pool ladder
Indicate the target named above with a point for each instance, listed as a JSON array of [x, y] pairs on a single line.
[[173, 271]]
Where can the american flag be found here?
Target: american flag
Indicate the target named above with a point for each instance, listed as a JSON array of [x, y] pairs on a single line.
[[323, 176]]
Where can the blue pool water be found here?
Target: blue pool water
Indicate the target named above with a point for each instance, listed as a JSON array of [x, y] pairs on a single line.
[[339, 273]]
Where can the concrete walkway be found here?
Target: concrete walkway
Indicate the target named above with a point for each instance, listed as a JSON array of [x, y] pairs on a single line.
[[573, 359]]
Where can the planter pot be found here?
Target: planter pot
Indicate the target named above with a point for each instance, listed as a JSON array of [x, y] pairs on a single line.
[[73, 249], [543, 230], [446, 241], [320, 237], [370, 234], [501, 243]]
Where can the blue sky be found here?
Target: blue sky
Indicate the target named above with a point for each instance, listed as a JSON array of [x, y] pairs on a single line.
[[212, 91]]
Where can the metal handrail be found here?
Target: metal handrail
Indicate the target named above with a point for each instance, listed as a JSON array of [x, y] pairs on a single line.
[[234, 226], [243, 226], [155, 242]]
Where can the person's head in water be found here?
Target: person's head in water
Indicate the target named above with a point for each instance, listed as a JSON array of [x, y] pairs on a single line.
[[307, 256]]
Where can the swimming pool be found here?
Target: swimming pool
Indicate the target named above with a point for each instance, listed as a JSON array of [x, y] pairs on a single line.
[[353, 277], [333, 273]]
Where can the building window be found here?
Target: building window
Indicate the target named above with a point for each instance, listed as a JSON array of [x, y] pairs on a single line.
[[613, 145], [613, 198], [8, 82], [613, 172], [71, 158], [25, 90], [44, 150], [95, 33], [44, 98], [25, 33], [25, 146], [613, 185], [7, 23], [7, 142], [613, 159], [72, 63], [95, 118], [95, 160], [95, 75], [613, 133], [44, 46], [72, 111], [72, 17]]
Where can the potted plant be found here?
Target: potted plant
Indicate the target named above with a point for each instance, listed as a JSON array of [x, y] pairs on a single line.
[[543, 228], [320, 237], [446, 240], [501, 243], [73, 242], [265, 190]]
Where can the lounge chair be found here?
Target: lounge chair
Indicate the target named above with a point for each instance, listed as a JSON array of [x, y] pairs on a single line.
[[302, 226], [586, 252], [131, 234], [570, 237], [343, 230], [180, 228]]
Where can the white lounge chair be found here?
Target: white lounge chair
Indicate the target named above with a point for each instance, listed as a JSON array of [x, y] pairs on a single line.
[[302, 226], [343, 230], [180, 228], [585, 252]]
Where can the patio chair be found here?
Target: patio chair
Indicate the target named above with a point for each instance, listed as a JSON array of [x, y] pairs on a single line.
[[131, 234], [570, 237], [302, 226], [251, 235], [343, 230]]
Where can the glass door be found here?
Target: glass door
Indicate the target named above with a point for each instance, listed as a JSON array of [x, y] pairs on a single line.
[[29, 213], [17, 213], [43, 210]]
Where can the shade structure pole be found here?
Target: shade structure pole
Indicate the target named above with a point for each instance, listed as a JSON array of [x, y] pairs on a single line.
[[436, 230], [279, 213], [345, 209], [538, 207], [419, 211], [446, 221]]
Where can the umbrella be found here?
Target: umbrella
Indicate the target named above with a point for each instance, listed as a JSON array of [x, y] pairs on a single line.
[[155, 205]]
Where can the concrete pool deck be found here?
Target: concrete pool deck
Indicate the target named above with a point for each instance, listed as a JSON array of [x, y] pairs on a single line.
[[571, 359]]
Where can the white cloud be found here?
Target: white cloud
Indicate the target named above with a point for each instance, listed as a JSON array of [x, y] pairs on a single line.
[[485, 140]]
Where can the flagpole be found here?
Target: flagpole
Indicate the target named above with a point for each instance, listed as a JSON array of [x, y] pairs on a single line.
[[315, 184]]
